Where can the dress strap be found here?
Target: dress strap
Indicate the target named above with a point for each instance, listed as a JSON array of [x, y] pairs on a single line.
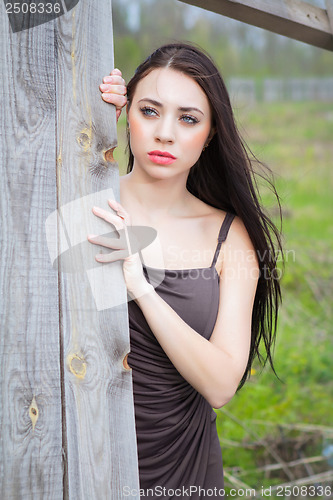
[[223, 234]]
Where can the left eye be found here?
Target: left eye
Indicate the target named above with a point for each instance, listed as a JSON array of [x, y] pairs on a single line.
[[189, 119]]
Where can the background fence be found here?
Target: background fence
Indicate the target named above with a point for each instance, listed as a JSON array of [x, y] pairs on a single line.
[[281, 89]]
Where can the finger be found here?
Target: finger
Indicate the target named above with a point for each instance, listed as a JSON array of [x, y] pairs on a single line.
[[118, 100], [115, 204], [116, 71], [118, 113], [116, 80], [114, 243], [108, 217], [112, 256], [121, 212], [113, 89]]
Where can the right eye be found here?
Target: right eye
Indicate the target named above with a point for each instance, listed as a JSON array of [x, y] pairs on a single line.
[[146, 111]]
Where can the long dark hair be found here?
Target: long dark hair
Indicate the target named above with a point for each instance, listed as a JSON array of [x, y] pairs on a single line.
[[224, 177]]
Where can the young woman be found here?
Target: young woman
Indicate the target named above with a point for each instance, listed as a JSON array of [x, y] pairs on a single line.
[[195, 335]]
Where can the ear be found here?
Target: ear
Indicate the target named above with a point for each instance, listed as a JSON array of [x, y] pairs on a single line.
[[127, 114], [211, 134]]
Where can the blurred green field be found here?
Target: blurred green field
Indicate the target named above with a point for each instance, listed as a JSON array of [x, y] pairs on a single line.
[[296, 141]]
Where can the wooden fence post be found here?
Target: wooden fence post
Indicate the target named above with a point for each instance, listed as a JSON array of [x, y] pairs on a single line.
[[67, 425]]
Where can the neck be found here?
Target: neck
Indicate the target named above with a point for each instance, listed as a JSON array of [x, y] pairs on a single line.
[[156, 198]]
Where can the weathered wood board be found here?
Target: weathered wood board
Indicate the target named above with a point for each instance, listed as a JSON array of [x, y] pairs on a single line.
[[329, 10], [67, 425], [292, 18], [30, 408]]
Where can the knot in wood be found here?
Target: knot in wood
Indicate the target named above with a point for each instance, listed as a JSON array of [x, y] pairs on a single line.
[[108, 155], [77, 366], [33, 412], [84, 140], [125, 363]]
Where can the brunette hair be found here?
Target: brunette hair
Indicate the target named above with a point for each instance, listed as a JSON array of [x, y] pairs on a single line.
[[224, 177]]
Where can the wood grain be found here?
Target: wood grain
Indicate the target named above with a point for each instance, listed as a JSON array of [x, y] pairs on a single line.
[[30, 400], [66, 414], [292, 18], [100, 428]]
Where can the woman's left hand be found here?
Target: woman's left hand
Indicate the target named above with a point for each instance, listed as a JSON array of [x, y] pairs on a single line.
[[136, 283]]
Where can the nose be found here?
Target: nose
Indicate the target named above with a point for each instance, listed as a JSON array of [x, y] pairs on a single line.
[[164, 131]]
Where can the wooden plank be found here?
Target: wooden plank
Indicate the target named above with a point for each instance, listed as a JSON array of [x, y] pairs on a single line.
[[30, 390], [292, 18], [100, 426], [66, 405], [329, 10]]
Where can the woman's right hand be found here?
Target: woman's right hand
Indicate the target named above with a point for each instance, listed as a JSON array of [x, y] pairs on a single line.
[[114, 90]]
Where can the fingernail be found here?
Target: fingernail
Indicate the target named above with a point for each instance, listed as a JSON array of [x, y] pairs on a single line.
[[104, 87], [108, 79]]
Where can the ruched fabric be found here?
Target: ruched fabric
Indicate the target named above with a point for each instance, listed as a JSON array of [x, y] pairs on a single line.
[[179, 452]]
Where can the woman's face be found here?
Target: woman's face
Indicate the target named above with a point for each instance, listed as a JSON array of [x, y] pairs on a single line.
[[170, 122]]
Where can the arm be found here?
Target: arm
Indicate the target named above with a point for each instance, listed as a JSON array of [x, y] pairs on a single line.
[[213, 367]]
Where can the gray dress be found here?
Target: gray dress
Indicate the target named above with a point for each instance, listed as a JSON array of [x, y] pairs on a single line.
[[178, 445]]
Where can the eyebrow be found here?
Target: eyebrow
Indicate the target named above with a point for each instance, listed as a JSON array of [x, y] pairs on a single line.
[[159, 104]]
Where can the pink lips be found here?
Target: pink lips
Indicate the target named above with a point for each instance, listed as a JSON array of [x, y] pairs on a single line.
[[161, 157]]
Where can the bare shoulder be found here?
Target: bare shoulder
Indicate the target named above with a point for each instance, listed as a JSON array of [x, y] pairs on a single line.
[[239, 235], [237, 250]]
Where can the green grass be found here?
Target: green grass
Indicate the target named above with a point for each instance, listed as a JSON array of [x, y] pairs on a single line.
[[296, 141]]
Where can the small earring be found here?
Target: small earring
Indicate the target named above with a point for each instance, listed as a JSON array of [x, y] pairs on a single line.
[[205, 146]]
